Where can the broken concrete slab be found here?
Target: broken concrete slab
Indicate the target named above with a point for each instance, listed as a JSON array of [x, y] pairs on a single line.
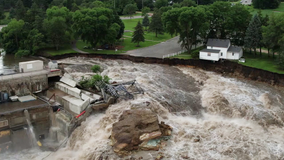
[[68, 81], [74, 104], [69, 90], [26, 98]]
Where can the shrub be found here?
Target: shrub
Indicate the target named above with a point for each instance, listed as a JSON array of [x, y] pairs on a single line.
[[96, 68], [195, 54], [106, 79], [84, 83]]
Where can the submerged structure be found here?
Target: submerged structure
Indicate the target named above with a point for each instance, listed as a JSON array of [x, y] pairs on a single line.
[[36, 111]]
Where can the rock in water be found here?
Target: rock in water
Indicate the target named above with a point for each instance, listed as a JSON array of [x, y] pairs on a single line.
[[138, 129]]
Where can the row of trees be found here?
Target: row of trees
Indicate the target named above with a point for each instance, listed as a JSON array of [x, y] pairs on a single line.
[[34, 29], [265, 4], [196, 24]]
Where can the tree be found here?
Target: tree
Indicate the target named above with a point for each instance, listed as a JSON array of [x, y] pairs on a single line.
[[265, 4], [130, 9], [165, 9], [146, 21], [20, 10], [176, 5], [56, 26], [2, 15], [33, 12], [138, 35], [190, 22], [273, 33], [156, 24], [170, 20], [97, 25], [193, 22], [118, 21], [146, 3], [264, 22], [253, 33], [188, 3], [280, 60], [34, 41], [27, 3], [12, 35], [237, 24], [120, 5], [161, 3], [145, 10]]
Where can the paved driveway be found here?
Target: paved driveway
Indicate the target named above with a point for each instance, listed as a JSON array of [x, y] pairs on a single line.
[[158, 50]]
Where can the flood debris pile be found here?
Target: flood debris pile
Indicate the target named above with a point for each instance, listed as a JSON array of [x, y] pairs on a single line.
[[139, 129], [77, 100]]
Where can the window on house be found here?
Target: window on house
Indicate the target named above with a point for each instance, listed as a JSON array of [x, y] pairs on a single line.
[[221, 53], [208, 54], [233, 54]]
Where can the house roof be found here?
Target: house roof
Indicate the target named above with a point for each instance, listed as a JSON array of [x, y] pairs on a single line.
[[218, 42], [210, 50], [234, 49]]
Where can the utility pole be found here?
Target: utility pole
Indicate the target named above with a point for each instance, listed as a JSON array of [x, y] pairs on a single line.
[[114, 4], [142, 4]]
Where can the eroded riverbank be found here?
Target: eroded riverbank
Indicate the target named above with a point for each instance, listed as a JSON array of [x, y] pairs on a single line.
[[234, 119]]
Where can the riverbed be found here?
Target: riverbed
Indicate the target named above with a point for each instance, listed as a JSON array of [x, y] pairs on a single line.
[[234, 119]]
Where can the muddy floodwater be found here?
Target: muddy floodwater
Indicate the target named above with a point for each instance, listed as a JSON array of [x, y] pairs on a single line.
[[9, 64], [234, 119]]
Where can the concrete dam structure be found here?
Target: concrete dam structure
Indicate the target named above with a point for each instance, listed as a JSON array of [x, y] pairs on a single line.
[[21, 111]]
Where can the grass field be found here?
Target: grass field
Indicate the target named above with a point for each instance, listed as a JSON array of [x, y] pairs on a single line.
[[130, 25], [62, 50], [264, 62], [128, 45], [278, 10]]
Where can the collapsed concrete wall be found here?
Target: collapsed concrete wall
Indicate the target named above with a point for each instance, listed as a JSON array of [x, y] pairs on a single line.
[[226, 68]]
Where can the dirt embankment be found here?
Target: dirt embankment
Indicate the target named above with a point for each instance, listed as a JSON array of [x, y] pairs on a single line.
[[226, 68]]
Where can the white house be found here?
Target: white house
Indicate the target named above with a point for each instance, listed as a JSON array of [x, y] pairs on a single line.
[[246, 2], [220, 49]]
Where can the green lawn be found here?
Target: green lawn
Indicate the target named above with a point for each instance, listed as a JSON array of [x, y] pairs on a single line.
[[150, 39], [130, 25], [63, 50], [128, 45], [264, 62], [278, 10]]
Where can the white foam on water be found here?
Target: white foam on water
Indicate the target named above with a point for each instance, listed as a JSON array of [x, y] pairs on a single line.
[[237, 119]]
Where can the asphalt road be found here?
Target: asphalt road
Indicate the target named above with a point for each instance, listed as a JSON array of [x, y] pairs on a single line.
[[158, 50]]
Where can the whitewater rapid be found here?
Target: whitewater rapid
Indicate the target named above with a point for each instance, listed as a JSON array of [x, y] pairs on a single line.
[[234, 119]]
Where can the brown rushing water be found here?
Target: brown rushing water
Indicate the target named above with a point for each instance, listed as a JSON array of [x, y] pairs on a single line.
[[235, 119]]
